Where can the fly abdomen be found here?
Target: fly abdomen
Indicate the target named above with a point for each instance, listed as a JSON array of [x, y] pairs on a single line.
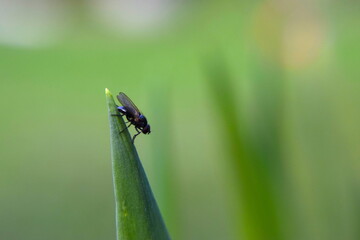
[[121, 109]]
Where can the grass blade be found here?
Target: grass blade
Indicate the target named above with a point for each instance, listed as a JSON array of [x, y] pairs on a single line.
[[137, 214], [258, 214]]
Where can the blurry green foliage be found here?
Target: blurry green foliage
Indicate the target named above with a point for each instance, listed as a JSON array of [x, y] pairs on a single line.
[[292, 93]]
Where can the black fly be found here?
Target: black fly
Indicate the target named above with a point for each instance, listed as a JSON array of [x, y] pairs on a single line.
[[133, 115]]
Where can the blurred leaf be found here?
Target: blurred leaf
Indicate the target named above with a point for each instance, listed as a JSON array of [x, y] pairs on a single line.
[[137, 214], [257, 211], [164, 180]]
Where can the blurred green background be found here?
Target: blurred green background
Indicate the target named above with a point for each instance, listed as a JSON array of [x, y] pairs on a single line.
[[253, 105]]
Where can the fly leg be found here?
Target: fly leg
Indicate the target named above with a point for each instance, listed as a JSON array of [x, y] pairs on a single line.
[[120, 114], [138, 132], [126, 128]]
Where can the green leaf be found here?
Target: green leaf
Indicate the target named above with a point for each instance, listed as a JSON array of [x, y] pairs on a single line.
[[137, 214], [258, 214]]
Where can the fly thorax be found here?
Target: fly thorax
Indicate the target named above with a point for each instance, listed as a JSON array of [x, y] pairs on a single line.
[[143, 120]]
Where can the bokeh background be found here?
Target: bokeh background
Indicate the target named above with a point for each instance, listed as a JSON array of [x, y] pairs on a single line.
[[254, 109]]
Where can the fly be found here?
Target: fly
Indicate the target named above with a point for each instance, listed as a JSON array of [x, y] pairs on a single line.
[[133, 115]]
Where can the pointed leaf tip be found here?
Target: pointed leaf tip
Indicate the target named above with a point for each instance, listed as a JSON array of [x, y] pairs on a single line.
[[137, 213]]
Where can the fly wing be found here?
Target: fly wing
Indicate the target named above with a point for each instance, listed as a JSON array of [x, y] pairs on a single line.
[[128, 104]]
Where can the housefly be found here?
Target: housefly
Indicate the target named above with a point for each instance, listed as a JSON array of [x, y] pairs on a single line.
[[133, 115]]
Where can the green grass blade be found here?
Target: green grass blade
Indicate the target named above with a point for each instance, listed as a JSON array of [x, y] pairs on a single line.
[[258, 214], [137, 214]]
